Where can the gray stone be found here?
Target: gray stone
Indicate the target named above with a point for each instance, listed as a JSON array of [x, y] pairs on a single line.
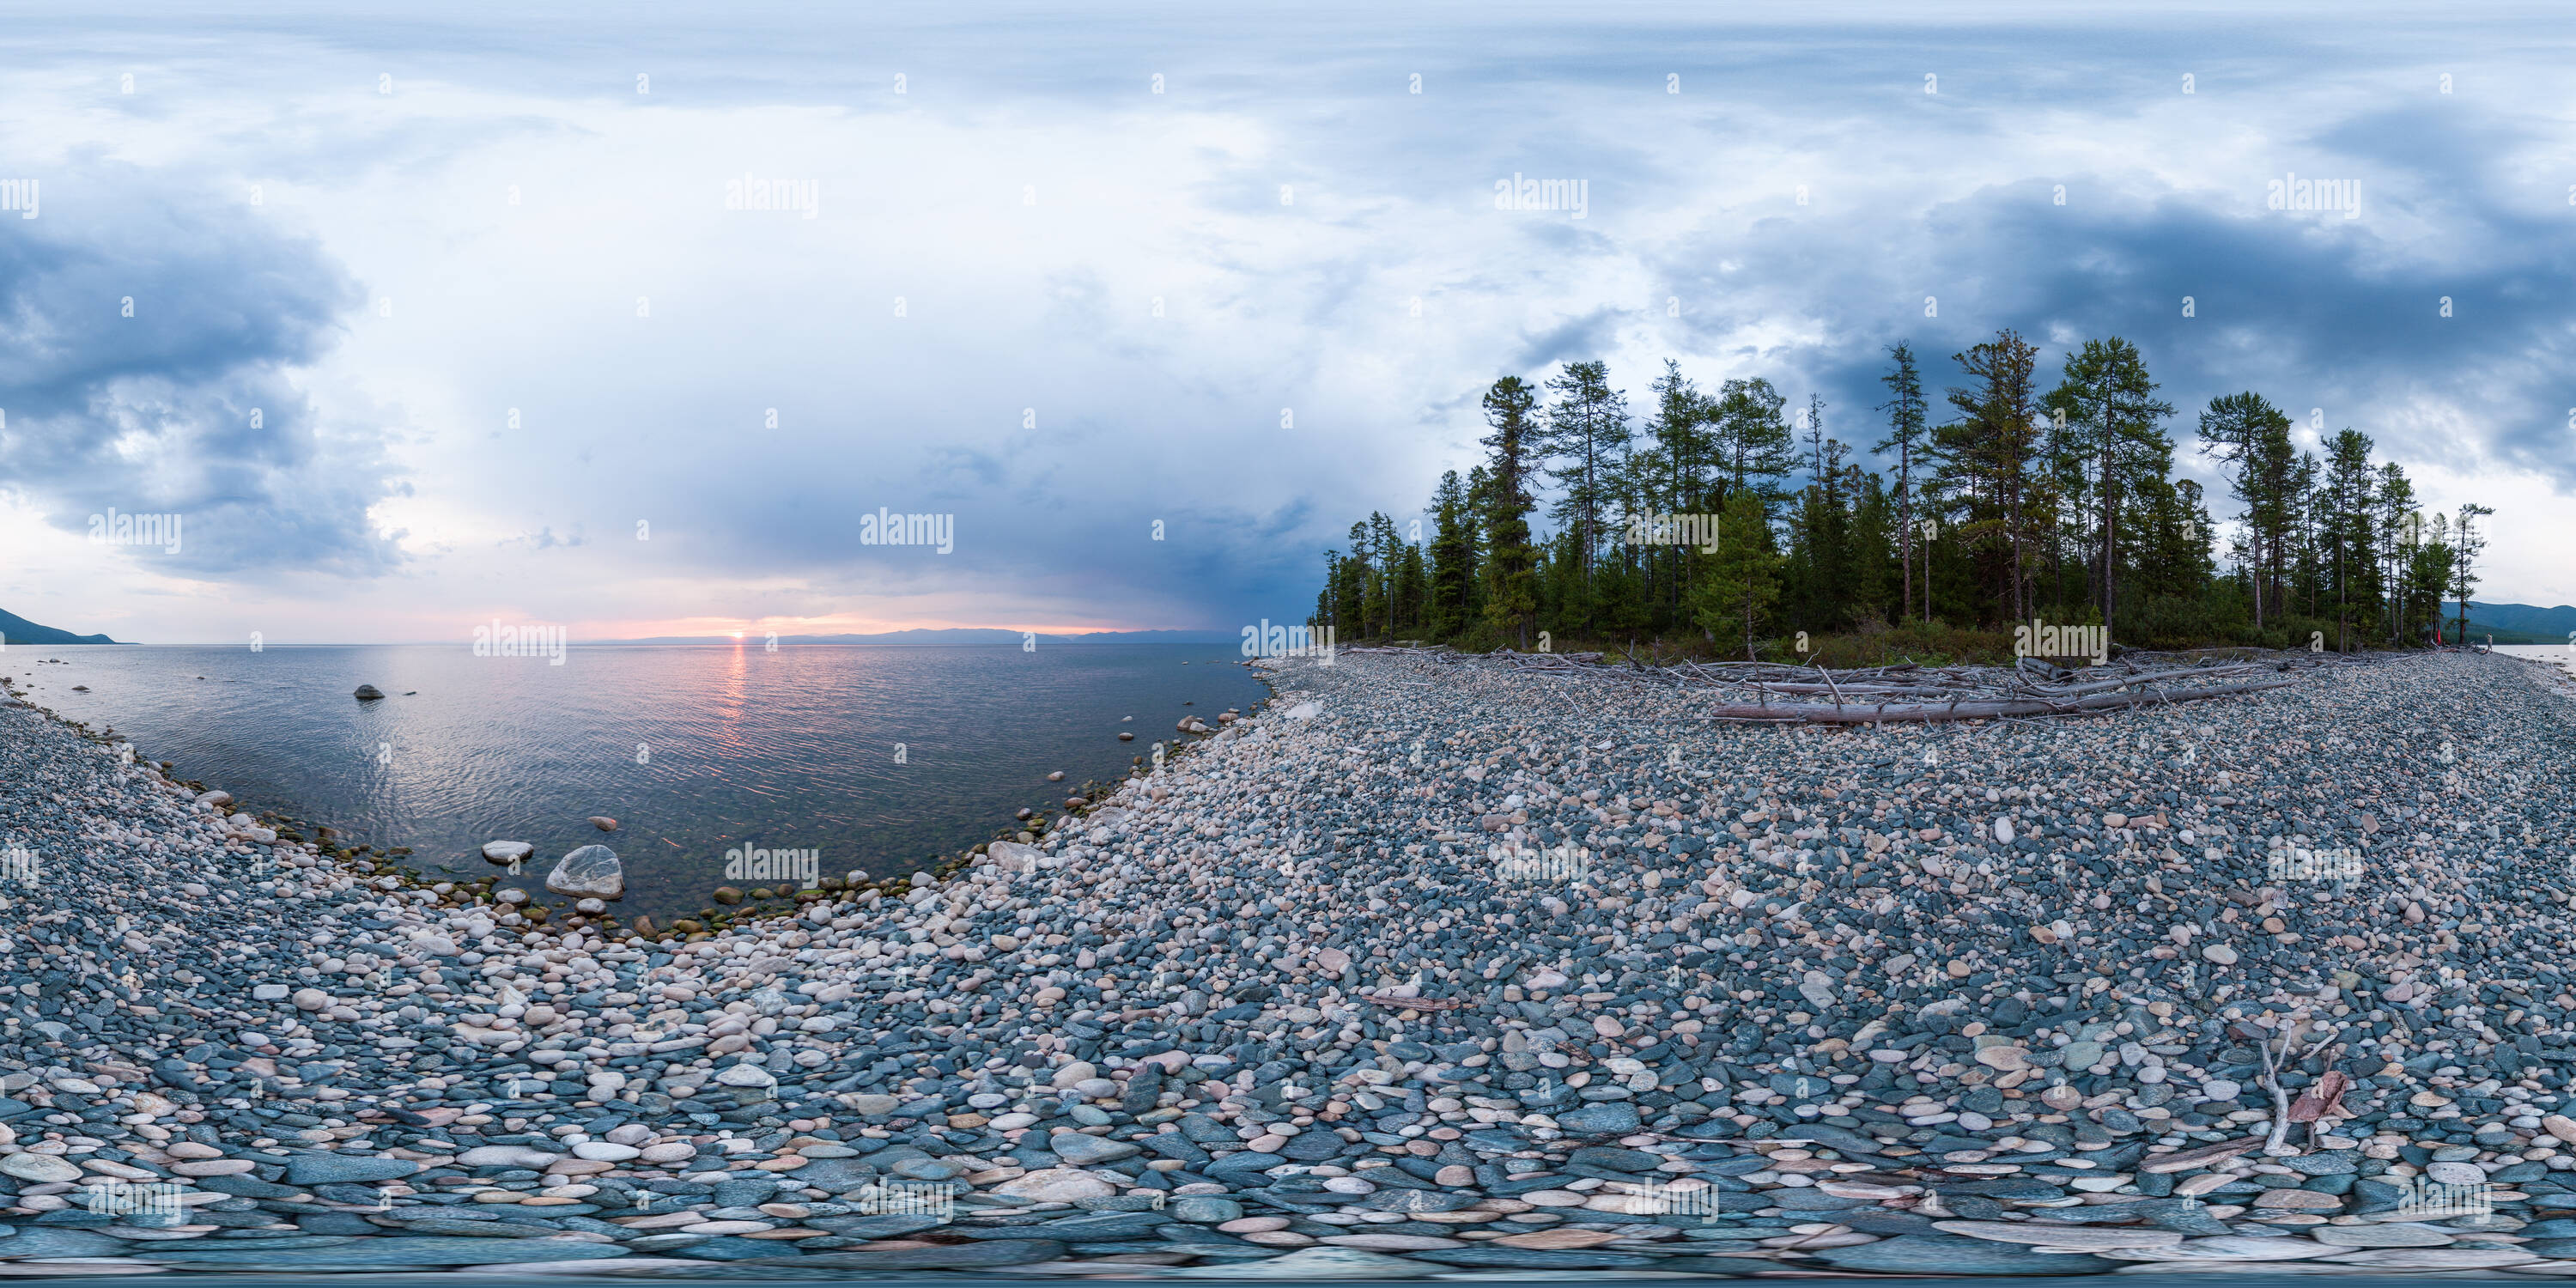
[[964, 1256], [1314, 1263], [591, 871], [1616, 1117], [1089, 1151], [343, 1169], [400, 1250], [1943, 1254]]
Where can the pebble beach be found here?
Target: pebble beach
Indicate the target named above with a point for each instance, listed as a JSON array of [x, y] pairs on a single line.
[[1419, 971]]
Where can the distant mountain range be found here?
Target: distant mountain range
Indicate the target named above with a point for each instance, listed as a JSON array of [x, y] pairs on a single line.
[[953, 637], [2518, 623], [18, 630]]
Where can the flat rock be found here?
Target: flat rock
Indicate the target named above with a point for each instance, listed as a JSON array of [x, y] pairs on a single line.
[[2392, 1234], [2232, 1247], [2434, 1258], [1614, 1116], [47, 1169], [1941, 1254], [2298, 1201], [341, 1169], [48, 1241], [2087, 1237], [508, 1156], [1084, 1151], [1535, 1259], [1391, 1242], [963, 1256], [2185, 1160], [400, 1250], [1313, 1263]]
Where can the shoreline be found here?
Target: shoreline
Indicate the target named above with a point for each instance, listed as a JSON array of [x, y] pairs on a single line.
[[751, 902], [1278, 991]]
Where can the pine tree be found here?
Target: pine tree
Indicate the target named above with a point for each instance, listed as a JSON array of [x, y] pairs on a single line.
[[1991, 450], [2108, 398], [2080, 509], [2247, 433], [1512, 603], [2466, 545], [1905, 422], [2351, 557], [2396, 528], [1677, 478], [1453, 559], [1740, 582], [1751, 442], [1587, 428]]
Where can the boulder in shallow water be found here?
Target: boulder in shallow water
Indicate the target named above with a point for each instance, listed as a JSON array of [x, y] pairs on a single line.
[[1011, 856], [369, 693], [507, 851], [603, 822], [592, 870]]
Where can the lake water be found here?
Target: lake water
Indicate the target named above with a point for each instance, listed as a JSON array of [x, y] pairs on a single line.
[[2562, 656], [694, 749]]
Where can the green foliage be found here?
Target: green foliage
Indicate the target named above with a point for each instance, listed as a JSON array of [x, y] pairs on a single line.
[[1740, 583], [2060, 505]]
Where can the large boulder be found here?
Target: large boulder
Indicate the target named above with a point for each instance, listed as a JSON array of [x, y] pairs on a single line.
[[591, 871]]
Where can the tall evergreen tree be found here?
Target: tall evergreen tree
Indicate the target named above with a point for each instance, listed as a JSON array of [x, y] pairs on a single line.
[[2396, 525], [1453, 559], [2351, 558], [1741, 581], [2466, 545], [2252, 438], [2107, 396], [1905, 436], [1753, 446], [1587, 429], [1511, 605], [1991, 451], [1677, 478]]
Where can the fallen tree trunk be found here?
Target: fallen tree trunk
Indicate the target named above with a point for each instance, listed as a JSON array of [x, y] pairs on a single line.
[[1810, 713]]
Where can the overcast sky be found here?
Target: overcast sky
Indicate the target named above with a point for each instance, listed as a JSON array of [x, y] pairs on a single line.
[[434, 318]]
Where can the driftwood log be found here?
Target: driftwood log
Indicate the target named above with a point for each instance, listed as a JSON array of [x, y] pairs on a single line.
[[1912, 691], [1818, 713]]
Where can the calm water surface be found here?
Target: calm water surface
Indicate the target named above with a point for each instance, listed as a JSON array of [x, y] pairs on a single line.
[[694, 749]]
